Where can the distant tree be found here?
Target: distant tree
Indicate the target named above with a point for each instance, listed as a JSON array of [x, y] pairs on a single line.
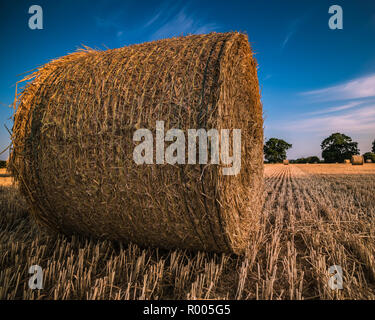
[[338, 147], [373, 147], [3, 164], [275, 150], [312, 159], [369, 155]]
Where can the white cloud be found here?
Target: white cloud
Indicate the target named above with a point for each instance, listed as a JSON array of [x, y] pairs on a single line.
[[354, 116], [287, 38], [361, 120], [363, 87], [183, 23], [171, 18], [111, 23], [292, 30], [336, 109], [106, 22], [153, 19]]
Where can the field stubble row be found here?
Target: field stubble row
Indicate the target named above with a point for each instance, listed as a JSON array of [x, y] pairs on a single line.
[[310, 221]]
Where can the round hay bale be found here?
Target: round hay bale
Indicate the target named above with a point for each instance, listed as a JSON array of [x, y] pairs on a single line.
[[357, 160], [285, 162], [368, 161], [347, 161], [73, 143]]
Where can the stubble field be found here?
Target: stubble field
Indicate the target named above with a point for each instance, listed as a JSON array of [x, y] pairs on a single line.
[[314, 216]]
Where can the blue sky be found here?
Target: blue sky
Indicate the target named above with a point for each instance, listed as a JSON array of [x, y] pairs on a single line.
[[314, 81]]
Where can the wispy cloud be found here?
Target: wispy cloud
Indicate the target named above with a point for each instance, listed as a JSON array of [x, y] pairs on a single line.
[[181, 23], [111, 23], [292, 30], [164, 12], [170, 18], [267, 76], [360, 121], [352, 113], [363, 87], [286, 40], [153, 19], [336, 109], [106, 22]]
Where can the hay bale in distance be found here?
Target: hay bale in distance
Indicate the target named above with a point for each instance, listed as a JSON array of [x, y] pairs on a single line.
[[285, 162], [73, 143], [347, 161], [357, 160], [368, 161]]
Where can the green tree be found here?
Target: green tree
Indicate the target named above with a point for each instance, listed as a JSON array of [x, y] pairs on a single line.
[[275, 150], [369, 155], [312, 159], [338, 147], [373, 147]]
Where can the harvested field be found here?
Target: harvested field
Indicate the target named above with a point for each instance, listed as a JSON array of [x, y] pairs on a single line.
[[341, 169], [5, 178], [314, 216]]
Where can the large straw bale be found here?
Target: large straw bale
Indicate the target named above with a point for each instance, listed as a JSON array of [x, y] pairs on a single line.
[[357, 160], [73, 143], [285, 162]]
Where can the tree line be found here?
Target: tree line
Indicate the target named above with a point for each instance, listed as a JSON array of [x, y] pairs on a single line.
[[336, 148]]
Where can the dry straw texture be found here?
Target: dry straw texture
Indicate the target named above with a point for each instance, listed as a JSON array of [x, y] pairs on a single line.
[[73, 143], [357, 160], [286, 162]]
